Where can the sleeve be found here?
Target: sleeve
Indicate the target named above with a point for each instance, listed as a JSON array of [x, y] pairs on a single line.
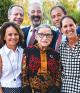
[[0, 73], [25, 80]]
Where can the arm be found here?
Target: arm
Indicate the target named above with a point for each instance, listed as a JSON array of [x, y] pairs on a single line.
[[1, 90], [0, 73]]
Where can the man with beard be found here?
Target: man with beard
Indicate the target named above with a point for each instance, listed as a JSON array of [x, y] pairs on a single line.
[[35, 15]]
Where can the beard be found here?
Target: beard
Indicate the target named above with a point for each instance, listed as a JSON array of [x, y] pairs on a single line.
[[36, 20]]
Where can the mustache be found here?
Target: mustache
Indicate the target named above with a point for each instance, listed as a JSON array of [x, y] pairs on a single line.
[[33, 17]]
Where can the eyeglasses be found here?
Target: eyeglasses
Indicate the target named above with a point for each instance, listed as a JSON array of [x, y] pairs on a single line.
[[41, 35]]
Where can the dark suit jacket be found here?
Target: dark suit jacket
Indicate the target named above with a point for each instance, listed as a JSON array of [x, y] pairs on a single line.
[[25, 31], [78, 30]]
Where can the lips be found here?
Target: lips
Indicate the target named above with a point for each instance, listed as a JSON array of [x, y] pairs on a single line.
[[19, 21]]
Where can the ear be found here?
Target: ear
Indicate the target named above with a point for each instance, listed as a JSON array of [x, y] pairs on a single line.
[[62, 31], [36, 36], [8, 17], [4, 38]]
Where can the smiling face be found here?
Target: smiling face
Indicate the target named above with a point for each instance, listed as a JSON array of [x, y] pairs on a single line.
[[68, 28], [11, 37], [56, 15], [44, 37], [16, 15], [35, 14]]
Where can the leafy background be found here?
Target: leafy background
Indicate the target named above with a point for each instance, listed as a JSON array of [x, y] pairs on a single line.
[[70, 6]]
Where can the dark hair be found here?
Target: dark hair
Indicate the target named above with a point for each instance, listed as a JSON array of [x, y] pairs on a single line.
[[3, 31], [10, 8], [70, 17], [61, 7]]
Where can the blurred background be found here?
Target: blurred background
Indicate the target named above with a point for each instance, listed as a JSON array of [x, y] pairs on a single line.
[[72, 7]]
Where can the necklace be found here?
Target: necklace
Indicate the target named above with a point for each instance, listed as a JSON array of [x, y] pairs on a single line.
[[13, 71], [12, 68]]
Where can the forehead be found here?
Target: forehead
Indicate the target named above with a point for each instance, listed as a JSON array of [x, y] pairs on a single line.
[[57, 10], [10, 29], [44, 30], [35, 7], [67, 21], [16, 9]]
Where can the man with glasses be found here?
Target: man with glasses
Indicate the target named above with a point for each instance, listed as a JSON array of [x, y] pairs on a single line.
[[16, 14]]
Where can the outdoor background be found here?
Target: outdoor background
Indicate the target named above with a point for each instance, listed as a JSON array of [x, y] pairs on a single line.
[[72, 7]]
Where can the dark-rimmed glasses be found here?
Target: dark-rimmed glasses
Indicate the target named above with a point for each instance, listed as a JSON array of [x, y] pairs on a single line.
[[41, 35]]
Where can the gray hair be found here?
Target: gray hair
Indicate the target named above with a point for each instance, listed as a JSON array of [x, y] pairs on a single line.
[[35, 4], [10, 8], [44, 26]]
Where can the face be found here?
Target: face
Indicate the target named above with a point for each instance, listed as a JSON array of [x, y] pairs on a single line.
[[44, 37], [56, 16], [35, 15], [68, 28], [16, 15], [11, 37]]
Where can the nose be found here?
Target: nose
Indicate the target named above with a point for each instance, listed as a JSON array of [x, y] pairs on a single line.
[[45, 37], [69, 28], [36, 13], [56, 18], [13, 36], [19, 15]]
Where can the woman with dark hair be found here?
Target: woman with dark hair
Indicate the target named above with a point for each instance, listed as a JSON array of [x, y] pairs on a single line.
[[11, 56], [43, 63], [70, 56]]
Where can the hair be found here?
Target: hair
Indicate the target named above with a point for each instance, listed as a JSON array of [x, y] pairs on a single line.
[[3, 31], [44, 26], [10, 8], [35, 4], [61, 7], [70, 17]]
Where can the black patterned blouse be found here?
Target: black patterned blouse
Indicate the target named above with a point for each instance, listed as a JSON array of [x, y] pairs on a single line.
[[43, 82]]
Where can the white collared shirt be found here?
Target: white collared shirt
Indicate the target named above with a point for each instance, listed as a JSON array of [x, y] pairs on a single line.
[[11, 68]]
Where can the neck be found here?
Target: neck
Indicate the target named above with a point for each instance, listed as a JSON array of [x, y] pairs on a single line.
[[42, 48], [72, 41], [12, 47]]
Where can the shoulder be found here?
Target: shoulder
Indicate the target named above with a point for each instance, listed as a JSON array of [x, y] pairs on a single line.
[[2, 50], [63, 44], [26, 28], [78, 30]]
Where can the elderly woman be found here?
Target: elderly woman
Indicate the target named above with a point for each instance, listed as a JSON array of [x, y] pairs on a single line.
[[43, 63], [70, 56]]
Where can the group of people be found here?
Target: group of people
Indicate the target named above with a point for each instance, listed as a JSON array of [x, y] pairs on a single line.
[[39, 58]]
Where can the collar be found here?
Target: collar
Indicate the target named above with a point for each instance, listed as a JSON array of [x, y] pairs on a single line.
[[31, 28], [7, 50], [37, 46], [55, 28]]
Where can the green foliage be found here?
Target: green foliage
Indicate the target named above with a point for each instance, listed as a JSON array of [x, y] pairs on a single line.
[[4, 5], [72, 9]]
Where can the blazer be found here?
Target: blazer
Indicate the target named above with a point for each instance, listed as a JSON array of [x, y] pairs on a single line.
[[25, 31]]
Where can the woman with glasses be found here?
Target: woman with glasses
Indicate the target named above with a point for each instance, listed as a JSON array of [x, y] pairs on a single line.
[[43, 63]]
